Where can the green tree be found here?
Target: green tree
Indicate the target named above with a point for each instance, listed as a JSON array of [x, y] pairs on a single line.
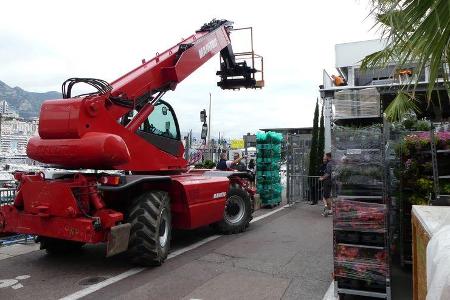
[[321, 141], [417, 31], [314, 143]]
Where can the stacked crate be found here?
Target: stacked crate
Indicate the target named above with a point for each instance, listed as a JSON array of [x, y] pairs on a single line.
[[268, 155], [361, 208]]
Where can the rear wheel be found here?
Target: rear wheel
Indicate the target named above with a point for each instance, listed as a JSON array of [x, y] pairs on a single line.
[[58, 246], [238, 211], [151, 228]]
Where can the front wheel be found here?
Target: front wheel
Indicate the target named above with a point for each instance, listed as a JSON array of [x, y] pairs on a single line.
[[237, 213], [150, 233]]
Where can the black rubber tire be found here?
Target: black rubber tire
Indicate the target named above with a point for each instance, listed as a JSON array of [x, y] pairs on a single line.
[[146, 216], [57, 246], [226, 227]]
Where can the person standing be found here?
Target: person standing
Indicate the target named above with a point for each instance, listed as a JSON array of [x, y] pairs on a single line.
[[326, 184], [252, 172], [237, 164], [225, 165]]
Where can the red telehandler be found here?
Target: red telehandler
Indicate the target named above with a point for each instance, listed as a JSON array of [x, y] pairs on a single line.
[[126, 126]]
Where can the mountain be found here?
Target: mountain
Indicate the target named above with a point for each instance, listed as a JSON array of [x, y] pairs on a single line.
[[26, 104]]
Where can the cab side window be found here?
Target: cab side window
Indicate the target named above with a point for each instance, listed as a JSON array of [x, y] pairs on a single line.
[[161, 122]]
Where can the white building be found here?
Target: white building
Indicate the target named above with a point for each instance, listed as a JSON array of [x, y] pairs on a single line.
[[14, 144], [18, 127], [6, 111], [387, 80], [14, 132]]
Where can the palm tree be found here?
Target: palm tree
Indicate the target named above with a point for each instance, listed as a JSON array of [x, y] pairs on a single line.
[[417, 31]]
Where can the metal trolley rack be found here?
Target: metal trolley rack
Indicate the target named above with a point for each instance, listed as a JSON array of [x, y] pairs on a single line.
[[361, 207]]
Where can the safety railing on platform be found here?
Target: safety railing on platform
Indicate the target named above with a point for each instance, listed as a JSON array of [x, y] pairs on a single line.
[[7, 197], [303, 188], [16, 239]]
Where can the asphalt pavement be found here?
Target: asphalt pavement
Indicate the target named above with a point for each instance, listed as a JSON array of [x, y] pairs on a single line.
[[287, 255]]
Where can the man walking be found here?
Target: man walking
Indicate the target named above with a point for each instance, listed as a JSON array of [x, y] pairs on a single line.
[[326, 184]]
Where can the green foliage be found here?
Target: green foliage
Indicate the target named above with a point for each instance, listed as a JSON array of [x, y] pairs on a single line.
[[401, 150], [416, 31], [409, 123], [400, 106], [445, 188], [418, 200], [344, 173], [313, 167], [425, 185], [422, 125], [207, 164]]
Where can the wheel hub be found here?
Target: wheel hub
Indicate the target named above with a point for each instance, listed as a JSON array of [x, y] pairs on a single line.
[[234, 209]]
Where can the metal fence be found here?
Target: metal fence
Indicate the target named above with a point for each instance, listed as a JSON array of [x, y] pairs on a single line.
[[7, 197], [304, 188], [16, 239], [299, 186]]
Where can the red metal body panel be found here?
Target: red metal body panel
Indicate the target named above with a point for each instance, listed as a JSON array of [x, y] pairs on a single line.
[[95, 149], [165, 69], [60, 208], [75, 229], [85, 132], [69, 151], [197, 200], [67, 208]]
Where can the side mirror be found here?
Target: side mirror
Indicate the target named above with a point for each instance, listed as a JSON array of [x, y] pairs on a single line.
[[204, 131]]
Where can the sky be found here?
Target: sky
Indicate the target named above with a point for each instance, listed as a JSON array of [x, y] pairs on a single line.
[[42, 43]]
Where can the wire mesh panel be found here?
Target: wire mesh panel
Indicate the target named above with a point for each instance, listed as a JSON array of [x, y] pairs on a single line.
[[349, 104], [300, 187], [361, 209], [7, 197]]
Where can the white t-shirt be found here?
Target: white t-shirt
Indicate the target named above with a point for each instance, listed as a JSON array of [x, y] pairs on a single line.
[[229, 163]]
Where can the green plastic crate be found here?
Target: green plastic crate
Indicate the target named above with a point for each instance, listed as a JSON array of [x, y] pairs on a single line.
[[269, 137], [268, 180], [273, 201], [268, 153], [272, 166], [269, 188], [270, 198], [273, 147], [267, 173]]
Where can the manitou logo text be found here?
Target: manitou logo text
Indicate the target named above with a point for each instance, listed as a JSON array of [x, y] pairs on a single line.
[[219, 195], [207, 48]]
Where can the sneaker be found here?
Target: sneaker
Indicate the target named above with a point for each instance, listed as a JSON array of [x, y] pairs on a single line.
[[325, 212]]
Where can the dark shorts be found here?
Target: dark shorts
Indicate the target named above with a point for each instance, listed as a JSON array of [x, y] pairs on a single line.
[[326, 190]]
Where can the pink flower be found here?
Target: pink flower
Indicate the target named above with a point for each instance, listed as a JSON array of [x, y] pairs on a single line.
[[408, 163]]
